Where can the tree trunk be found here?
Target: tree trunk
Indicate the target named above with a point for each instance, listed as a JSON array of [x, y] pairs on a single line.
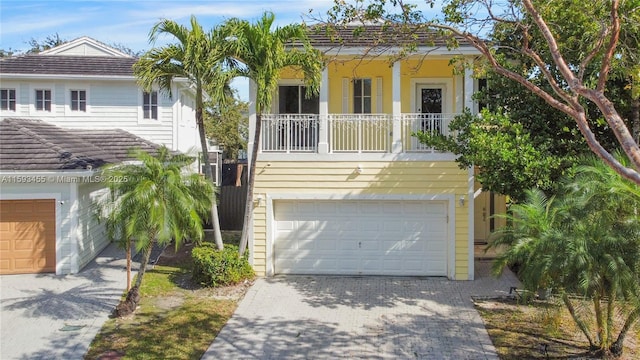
[[248, 212], [128, 264], [215, 220], [635, 118], [581, 325], [617, 346], [597, 309], [611, 301], [143, 264], [131, 301]]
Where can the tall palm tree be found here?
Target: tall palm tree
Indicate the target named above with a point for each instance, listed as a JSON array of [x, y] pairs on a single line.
[[265, 52], [154, 200], [586, 241], [199, 57]]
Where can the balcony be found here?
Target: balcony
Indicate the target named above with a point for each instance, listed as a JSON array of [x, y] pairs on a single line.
[[350, 133]]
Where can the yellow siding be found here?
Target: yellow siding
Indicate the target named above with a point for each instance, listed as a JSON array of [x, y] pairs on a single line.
[[381, 178], [410, 69], [354, 69]]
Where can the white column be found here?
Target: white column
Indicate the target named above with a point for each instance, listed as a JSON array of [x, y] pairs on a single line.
[[252, 121], [323, 141], [468, 86], [396, 148]]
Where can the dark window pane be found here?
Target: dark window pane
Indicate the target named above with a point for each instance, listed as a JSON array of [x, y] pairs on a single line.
[[366, 108], [431, 101], [357, 105], [288, 98], [367, 87], [311, 105]]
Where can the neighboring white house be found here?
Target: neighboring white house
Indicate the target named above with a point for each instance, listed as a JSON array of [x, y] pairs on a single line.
[[49, 185], [88, 85], [63, 114]]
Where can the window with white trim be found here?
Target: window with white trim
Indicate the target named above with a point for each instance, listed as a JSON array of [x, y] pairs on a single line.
[[79, 100], [150, 105], [8, 99], [362, 96], [43, 100]]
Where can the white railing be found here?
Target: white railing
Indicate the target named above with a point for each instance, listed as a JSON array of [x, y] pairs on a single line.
[[429, 123], [289, 133], [350, 133], [360, 132]]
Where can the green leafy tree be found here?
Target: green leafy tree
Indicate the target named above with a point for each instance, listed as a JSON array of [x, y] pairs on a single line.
[[265, 51], [199, 57], [155, 201], [229, 125], [575, 49], [508, 159], [584, 242]]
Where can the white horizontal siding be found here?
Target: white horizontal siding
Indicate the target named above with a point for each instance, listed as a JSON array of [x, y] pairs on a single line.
[[91, 233], [111, 104]]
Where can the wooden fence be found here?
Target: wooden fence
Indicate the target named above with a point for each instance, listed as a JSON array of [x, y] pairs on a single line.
[[231, 204]]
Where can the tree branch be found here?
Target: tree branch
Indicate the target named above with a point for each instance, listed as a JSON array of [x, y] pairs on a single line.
[[611, 48]]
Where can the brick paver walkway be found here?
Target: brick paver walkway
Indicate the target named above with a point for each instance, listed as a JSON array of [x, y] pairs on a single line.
[[322, 317]]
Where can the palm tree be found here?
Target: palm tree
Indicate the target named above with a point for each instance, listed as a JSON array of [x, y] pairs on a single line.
[[265, 52], [156, 201], [199, 57], [586, 242]]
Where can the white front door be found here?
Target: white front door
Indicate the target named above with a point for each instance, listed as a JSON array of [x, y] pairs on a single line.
[[352, 237]]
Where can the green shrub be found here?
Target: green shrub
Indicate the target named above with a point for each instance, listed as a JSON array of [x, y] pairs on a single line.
[[212, 267]]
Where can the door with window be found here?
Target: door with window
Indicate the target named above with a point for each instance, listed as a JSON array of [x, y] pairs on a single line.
[[430, 103], [296, 127]]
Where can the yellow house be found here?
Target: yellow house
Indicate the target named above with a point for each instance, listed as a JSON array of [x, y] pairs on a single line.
[[342, 186]]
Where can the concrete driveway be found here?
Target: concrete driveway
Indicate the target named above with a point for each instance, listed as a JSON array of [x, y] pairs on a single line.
[[318, 317], [44, 316]]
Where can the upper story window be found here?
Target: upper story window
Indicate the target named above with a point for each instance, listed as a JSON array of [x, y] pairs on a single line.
[[292, 99], [8, 99], [150, 105], [362, 96], [79, 100], [43, 100]]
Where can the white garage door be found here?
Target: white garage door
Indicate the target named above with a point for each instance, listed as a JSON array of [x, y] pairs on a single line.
[[361, 237]]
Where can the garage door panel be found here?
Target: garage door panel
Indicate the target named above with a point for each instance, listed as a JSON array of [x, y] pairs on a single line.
[[361, 237], [27, 236]]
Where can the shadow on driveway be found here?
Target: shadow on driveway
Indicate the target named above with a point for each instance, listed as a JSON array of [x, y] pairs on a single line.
[[44, 316], [298, 317]]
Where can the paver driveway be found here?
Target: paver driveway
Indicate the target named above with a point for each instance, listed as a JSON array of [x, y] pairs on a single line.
[[44, 316], [324, 317]]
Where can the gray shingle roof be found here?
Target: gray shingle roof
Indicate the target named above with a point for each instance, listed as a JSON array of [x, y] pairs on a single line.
[[67, 65], [38, 145], [377, 35]]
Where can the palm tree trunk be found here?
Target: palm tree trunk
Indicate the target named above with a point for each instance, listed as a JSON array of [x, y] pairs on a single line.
[[143, 264], [597, 308], [130, 303], [616, 347], [248, 212], [610, 309], [128, 264], [215, 220], [581, 325]]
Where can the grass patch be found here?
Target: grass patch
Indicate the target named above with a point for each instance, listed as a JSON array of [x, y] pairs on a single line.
[[540, 330], [177, 319]]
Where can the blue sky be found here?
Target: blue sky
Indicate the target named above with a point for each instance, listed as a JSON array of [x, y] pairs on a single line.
[[128, 22]]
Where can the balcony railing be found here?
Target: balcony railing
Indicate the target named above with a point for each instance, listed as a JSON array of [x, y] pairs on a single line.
[[429, 123], [350, 133], [290, 133], [360, 132]]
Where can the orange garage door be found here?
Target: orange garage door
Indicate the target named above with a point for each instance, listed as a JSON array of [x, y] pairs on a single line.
[[27, 236]]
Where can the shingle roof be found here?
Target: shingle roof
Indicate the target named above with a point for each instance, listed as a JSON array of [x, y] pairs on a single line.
[[38, 145], [67, 65], [376, 35]]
